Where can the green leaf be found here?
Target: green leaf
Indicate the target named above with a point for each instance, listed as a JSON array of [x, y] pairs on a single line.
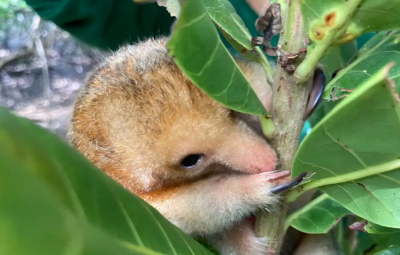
[[54, 201], [384, 241], [235, 31], [200, 54], [373, 228], [355, 151], [322, 110], [338, 57], [379, 50], [392, 250], [317, 217], [332, 61], [226, 18], [375, 40], [369, 16], [366, 244]]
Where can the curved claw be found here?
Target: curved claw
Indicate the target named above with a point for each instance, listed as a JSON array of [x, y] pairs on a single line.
[[317, 90], [289, 185]]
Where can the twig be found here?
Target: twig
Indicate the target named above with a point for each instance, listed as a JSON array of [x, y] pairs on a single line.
[[45, 69], [304, 71]]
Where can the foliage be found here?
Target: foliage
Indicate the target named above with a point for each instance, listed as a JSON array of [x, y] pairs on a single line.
[[11, 16], [353, 151], [209, 62], [54, 193], [366, 185], [9, 7]]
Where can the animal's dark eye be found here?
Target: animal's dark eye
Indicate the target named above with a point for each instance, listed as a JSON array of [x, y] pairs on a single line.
[[191, 160]]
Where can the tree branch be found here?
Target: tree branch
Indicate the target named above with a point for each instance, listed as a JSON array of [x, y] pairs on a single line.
[[347, 9], [288, 108]]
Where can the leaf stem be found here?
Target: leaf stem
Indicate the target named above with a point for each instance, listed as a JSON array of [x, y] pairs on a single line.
[[304, 71], [372, 170], [269, 72], [267, 126]]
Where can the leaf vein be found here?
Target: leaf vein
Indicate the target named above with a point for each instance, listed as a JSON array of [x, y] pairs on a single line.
[[345, 147], [200, 73], [159, 225], [328, 212], [316, 166], [317, 227], [389, 178], [193, 21], [129, 221]]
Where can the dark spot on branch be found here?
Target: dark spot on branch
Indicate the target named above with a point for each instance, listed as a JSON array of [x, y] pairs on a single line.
[[330, 19], [318, 32]]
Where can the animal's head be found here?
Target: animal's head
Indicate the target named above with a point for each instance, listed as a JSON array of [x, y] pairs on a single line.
[[144, 123]]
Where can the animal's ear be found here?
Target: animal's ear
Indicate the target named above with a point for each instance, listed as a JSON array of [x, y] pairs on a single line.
[[255, 74]]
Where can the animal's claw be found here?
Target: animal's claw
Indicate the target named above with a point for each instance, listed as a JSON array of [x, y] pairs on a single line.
[[288, 185]]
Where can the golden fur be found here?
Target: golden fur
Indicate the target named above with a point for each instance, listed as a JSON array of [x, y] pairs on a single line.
[[138, 116]]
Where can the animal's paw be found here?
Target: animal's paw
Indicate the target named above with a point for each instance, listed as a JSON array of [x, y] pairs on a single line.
[[241, 240]]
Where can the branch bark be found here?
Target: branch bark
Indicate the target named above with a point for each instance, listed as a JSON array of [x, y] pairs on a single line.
[[288, 109]]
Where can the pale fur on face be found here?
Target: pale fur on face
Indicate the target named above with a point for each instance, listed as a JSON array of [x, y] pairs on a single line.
[[139, 116]]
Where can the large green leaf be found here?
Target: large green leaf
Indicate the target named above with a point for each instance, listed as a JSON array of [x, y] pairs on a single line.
[[33, 220], [355, 151], [225, 16], [230, 24], [376, 53], [200, 54], [235, 32], [373, 228], [54, 201], [392, 250], [375, 40], [317, 217], [369, 16], [384, 241]]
